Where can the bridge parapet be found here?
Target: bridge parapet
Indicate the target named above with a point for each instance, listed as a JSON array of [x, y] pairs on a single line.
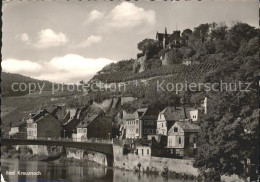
[[79, 140], [102, 146]]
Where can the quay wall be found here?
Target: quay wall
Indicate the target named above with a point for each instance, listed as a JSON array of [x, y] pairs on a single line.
[[88, 155], [151, 164]]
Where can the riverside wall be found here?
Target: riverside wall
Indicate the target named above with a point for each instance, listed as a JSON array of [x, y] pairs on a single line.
[[134, 162], [88, 155]]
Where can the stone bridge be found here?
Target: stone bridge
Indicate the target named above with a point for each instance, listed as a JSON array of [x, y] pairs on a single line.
[[101, 146]]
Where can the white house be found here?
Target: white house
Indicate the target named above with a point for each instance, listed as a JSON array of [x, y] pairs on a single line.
[[82, 128], [133, 124], [194, 115], [168, 117], [183, 134], [129, 122], [143, 149]]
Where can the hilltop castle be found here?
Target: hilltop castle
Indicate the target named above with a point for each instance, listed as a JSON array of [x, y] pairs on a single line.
[[169, 40]]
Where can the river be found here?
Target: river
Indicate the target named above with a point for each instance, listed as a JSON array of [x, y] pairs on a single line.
[[70, 172]]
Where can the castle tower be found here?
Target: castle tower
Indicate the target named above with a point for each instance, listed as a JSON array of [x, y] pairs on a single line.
[[165, 38]]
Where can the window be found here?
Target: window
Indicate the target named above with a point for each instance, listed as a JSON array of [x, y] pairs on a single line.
[[136, 130], [179, 140], [175, 129], [136, 122], [30, 133], [142, 151], [170, 142], [162, 124], [148, 151]]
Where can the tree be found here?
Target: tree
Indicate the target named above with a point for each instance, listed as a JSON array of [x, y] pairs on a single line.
[[149, 47], [228, 140], [219, 32]]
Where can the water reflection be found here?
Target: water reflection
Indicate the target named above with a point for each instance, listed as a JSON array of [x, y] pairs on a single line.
[[71, 172]]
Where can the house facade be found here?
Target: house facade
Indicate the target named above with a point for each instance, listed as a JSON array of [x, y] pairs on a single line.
[[133, 124], [168, 116], [143, 150], [138, 122], [18, 130], [82, 130], [130, 125], [43, 125], [182, 135], [100, 127], [148, 122], [72, 119], [195, 115]]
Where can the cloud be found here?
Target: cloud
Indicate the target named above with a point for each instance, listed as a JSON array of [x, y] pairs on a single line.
[[45, 38], [123, 16], [23, 37], [94, 15], [127, 15], [48, 38], [70, 68], [93, 39], [18, 66]]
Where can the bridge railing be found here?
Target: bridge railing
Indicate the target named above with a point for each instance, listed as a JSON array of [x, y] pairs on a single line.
[[80, 140]]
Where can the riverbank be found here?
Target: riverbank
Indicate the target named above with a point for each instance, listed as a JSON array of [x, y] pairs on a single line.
[[83, 158], [155, 166]]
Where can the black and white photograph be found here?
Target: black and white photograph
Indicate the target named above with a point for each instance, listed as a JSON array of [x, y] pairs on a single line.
[[128, 91]]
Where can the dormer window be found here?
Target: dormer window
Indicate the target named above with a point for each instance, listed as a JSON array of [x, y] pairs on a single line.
[[175, 129]]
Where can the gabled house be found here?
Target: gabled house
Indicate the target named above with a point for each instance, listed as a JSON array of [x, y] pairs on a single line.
[[42, 125], [133, 124], [130, 125], [72, 119], [138, 122], [148, 122], [168, 116], [82, 127], [182, 135], [96, 126], [18, 130]]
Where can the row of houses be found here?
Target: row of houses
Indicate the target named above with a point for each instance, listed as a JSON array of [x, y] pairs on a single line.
[[41, 124], [176, 127], [45, 124]]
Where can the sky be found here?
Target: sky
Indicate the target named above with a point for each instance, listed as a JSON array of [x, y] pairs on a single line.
[[69, 41]]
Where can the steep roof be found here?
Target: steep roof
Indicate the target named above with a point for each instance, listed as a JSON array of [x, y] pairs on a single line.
[[151, 114], [128, 116], [87, 121], [73, 112], [139, 112], [188, 126], [176, 113], [143, 143], [43, 116], [21, 123], [39, 114]]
